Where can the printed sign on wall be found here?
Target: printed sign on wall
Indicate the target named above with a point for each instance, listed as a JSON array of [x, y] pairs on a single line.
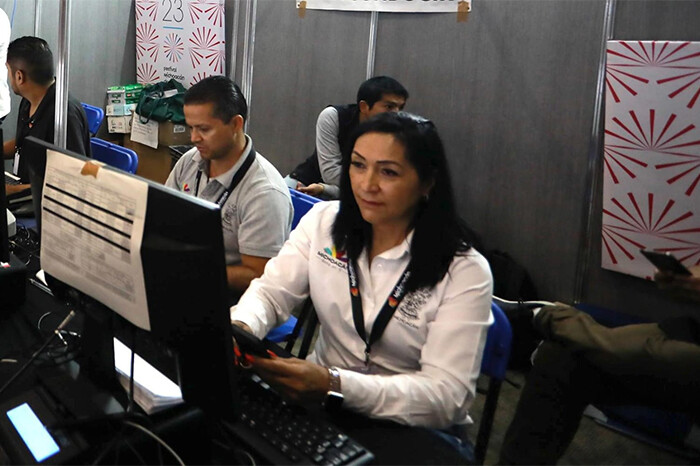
[[395, 6], [180, 39], [651, 192]]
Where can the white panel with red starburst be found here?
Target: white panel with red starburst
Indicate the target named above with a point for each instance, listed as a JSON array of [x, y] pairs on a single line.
[[651, 191], [181, 39]]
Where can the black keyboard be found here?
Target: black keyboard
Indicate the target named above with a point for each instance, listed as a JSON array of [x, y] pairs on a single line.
[[283, 433]]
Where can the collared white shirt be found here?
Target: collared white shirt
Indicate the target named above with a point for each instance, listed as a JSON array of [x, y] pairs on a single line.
[[423, 370]]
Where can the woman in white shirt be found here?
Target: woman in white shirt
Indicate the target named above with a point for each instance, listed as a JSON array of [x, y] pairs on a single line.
[[392, 251]]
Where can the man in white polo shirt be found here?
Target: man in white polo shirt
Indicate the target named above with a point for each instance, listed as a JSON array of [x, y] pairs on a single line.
[[223, 167]]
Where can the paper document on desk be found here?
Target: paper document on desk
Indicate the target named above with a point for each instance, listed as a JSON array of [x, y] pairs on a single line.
[[91, 231], [152, 390]]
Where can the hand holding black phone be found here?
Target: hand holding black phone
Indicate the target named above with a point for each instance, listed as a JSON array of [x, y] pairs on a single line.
[[665, 262], [249, 343], [254, 346]]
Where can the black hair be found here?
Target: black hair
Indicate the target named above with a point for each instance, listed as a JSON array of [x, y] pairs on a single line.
[[372, 90], [33, 56], [221, 91], [439, 233]]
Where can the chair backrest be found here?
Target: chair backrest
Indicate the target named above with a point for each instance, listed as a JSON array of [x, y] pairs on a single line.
[[498, 341], [114, 155], [95, 115], [494, 364], [302, 203]]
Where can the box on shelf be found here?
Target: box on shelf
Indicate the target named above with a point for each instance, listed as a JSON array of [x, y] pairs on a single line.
[[172, 134], [132, 93], [123, 95], [119, 109], [119, 124], [116, 95], [154, 164]]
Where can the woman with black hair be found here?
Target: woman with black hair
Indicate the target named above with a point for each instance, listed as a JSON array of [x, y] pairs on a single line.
[[402, 298]]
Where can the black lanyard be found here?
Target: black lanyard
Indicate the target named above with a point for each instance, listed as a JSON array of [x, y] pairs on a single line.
[[234, 181], [385, 313]]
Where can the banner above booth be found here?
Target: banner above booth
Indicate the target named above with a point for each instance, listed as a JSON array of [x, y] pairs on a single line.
[[389, 6]]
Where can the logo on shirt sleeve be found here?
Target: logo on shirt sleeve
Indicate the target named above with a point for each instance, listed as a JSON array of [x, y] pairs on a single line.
[[186, 187]]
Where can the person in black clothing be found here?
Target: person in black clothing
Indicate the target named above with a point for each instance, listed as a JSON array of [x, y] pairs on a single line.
[[582, 362], [31, 72], [319, 175]]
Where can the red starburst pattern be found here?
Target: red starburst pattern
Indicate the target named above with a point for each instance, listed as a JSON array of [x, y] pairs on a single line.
[[198, 77], [618, 75], [147, 74], [689, 81], [205, 47], [173, 47], [688, 252], [627, 226], [666, 138], [683, 62], [212, 10], [148, 8], [146, 41], [216, 61]]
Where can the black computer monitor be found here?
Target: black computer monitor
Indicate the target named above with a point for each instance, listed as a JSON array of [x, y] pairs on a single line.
[[182, 264]]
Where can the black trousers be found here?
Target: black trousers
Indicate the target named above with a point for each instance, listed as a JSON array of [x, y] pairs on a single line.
[[582, 362]]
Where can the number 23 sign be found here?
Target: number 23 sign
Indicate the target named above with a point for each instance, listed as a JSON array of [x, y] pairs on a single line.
[[180, 39]]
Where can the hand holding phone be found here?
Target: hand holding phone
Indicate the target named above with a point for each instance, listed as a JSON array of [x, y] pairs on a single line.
[[249, 343], [665, 262]]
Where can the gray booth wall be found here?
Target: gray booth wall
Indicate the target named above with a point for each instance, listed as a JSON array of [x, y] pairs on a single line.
[[512, 92], [102, 44]]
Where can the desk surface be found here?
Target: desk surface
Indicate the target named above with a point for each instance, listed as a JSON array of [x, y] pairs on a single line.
[[391, 443]]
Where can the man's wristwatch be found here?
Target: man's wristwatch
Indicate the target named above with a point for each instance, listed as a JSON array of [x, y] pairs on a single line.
[[334, 396]]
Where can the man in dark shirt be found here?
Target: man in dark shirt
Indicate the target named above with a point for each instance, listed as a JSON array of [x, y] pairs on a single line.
[[31, 72], [319, 175]]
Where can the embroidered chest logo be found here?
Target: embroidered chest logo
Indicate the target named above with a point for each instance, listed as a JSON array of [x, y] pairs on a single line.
[[228, 215], [333, 257], [411, 305]]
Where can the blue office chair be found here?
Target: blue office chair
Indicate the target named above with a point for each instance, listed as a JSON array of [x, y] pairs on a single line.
[[288, 331], [302, 203], [114, 155], [493, 364], [95, 115]]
